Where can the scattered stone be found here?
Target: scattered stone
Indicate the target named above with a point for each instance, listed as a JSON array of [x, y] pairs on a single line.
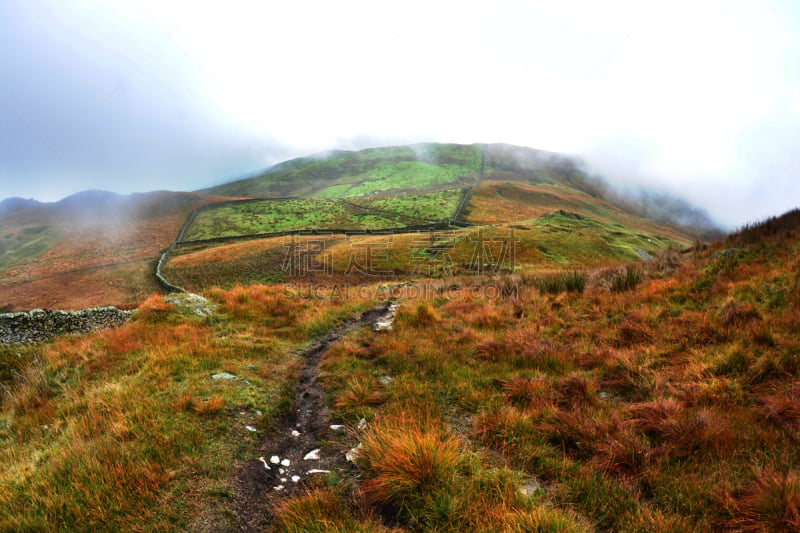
[[265, 463], [384, 323], [295, 433], [281, 471], [385, 379], [313, 455], [223, 375], [283, 480], [353, 453], [259, 413], [286, 462], [530, 488], [274, 459], [194, 303], [318, 471], [250, 428], [278, 488], [295, 479], [644, 255]]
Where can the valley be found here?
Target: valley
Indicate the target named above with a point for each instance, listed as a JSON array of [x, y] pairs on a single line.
[[432, 337]]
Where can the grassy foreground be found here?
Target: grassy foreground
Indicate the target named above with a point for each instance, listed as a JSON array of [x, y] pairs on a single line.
[[127, 430], [657, 396], [660, 398]]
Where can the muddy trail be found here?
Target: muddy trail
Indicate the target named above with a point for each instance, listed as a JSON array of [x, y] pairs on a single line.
[[290, 453]]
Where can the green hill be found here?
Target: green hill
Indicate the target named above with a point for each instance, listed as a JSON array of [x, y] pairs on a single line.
[[419, 168]]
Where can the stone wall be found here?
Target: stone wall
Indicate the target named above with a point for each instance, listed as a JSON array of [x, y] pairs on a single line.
[[40, 324]]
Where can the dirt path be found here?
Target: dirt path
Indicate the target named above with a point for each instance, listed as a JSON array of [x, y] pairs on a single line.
[[263, 482]]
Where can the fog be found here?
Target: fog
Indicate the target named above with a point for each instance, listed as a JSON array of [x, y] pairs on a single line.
[[698, 100]]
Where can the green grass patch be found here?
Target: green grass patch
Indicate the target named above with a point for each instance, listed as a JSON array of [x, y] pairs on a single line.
[[285, 215], [26, 243], [432, 206], [350, 174]]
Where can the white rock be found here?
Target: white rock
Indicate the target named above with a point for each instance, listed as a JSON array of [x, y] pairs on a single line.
[[353, 453], [530, 488], [313, 455], [318, 471], [295, 479], [274, 459], [223, 375], [337, 427], [286, 462], [278, 488], [385, 379], [283, 480], [265, 463], [281, 471], [250, 428], [295, 433]]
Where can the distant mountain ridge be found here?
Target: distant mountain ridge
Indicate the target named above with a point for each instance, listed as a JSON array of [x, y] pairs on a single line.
[[9, 205]]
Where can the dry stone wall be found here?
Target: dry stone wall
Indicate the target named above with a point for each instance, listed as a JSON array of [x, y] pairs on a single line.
[[39, 324]]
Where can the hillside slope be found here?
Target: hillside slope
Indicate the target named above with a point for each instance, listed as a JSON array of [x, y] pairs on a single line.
[[92, 248], [662, 396], [417, 168]]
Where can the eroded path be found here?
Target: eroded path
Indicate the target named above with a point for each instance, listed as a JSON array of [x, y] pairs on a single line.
[[282, 460]]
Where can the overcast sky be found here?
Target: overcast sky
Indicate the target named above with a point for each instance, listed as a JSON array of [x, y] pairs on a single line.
[[699, 97]]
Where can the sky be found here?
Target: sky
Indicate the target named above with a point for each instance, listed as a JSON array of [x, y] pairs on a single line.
[[699, 98]]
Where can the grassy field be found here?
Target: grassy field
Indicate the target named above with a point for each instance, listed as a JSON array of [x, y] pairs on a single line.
[[557, 241], [667, 403], [284, 215], [127, 430], [655, 396], [376, 170], [433, 206]]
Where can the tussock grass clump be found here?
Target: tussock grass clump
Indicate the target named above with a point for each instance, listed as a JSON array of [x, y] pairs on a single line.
[[422, 315], [357, 396], [525, 391], [323, 511], [772, 503], [633, 331], [406, 465], [736, 315], [602, 438], [552, 284], [574, 281], [782, 407], [419, 474], [626, 279]]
